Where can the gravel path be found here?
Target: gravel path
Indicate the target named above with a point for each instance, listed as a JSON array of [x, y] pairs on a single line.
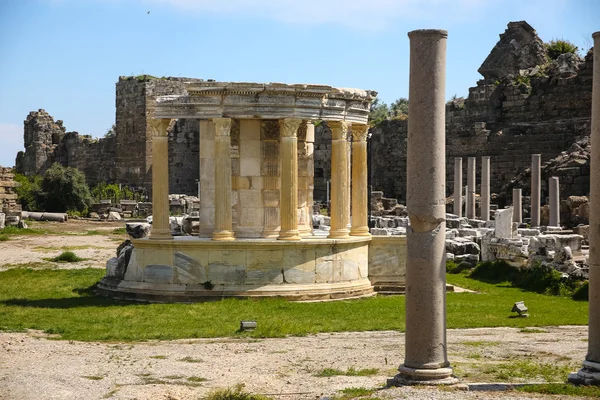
[[33, 366]]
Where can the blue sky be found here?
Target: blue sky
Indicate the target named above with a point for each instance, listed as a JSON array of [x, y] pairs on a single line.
[[66, 55]]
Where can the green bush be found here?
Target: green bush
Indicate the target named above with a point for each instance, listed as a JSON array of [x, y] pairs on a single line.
[[29, 191], [495, 272], [582, 292], [64, 188], [453, 268], [555, 48], [67, 256], [111, 191]]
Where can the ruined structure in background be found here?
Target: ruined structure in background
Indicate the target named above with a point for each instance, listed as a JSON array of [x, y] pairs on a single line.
[[8, 196], [522, 106]]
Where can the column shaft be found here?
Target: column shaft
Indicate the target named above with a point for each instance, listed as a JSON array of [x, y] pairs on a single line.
[[536, 189], [426, 356], [590, 373], [471, 165], [485, 188], [554, 201], [458, 186], [160, 179], [288, 204], [223, 217], [339, 180], [360, 213], [517, 205]]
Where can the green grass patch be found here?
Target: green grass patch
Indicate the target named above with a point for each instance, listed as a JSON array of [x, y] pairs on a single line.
[[354, 392], [93, 377], [532, 330], [159, 357], [479, 343], [523, 370], [31, 265], [4, 237], [119, 231], [562, 389], [327, 372], [63, 302], [66, 257], [190, 359], [196, 379], [236, 392], [14, 231]]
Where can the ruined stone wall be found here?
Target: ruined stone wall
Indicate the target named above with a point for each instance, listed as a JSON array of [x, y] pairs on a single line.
[[8, 196], [184, 157]]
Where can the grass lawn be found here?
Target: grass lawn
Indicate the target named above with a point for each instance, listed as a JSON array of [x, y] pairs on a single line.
[[62, 302]]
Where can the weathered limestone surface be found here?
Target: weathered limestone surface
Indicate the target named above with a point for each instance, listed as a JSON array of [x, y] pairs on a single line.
[[535, 189], [160, 180], [360, 225], [554, 202], [485, 188], [517, 205], [339, 181], [458, 198], [471, 173], [8, 196], [426, 357]]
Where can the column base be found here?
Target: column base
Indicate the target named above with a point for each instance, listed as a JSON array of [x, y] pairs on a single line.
[[416, 376], [223, 236], [339, 234], [360, 231], [161, 234], [588, 375], [289, 235]]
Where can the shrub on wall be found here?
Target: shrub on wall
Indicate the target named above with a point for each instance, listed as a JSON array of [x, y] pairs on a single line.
[[555, 48]]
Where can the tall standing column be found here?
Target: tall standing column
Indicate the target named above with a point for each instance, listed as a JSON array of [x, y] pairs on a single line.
[[160, 179], [470, 209], [360, 226], [517, 205], [590, 373], [426, 356], [288, 203], [339, 180], [554, 201], [485, 188], [458, 186], [536, 188], [223, 217]]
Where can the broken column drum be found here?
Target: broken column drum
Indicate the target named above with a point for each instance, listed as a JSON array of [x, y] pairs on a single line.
[[256, 182], [589, 374], [425, 354]]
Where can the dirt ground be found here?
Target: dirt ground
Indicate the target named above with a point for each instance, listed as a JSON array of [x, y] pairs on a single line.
[[35, 366]]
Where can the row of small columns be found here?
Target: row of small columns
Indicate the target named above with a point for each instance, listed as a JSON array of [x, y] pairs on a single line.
[[223, 229]]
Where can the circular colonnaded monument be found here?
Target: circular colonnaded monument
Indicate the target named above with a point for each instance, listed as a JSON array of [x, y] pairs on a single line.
[[256, 197]]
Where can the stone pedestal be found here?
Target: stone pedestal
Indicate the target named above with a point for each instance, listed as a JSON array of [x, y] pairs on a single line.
[[458, 186], [517, 205], [160, 179], [426, 359], [589, 374], [470, 209], [340, 194], [223, 217], [485, 188], [360, 225], [289, 179], [536, 189], [554, 201]]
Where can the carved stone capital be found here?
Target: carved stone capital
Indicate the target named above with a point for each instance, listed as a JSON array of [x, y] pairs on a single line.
[[158, 127], [222, 126], [359, 132], [288, 127], [339, 129]]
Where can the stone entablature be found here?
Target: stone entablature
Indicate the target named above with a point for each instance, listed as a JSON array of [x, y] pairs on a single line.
[[207, 100]]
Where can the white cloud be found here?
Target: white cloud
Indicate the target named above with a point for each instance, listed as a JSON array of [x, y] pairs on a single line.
[[11, 137], [362, 14]]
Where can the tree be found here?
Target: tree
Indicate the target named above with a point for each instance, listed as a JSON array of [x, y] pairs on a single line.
[[29, 191], [379, 112], [64, 189], [399, 108]]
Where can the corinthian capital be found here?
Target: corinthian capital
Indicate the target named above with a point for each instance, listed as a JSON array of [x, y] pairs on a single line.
[[288, 127], [359, 132], [223, 126], [339, 129], [158, 127]]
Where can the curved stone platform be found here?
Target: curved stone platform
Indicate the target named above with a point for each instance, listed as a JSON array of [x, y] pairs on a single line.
[[188, 269]]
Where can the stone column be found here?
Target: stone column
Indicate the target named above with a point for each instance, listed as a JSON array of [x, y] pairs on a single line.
[[339, 180], [554, 201], [360, 213], [426, 357], [207, 178], [590, 373], [517, 205], [288, 202], [223, 217], [470, 209], [306, 138], [536, 189], [458, 186], [160, 179], [485, 188]]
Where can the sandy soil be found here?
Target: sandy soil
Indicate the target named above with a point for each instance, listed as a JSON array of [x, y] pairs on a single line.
[[35, 366]]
